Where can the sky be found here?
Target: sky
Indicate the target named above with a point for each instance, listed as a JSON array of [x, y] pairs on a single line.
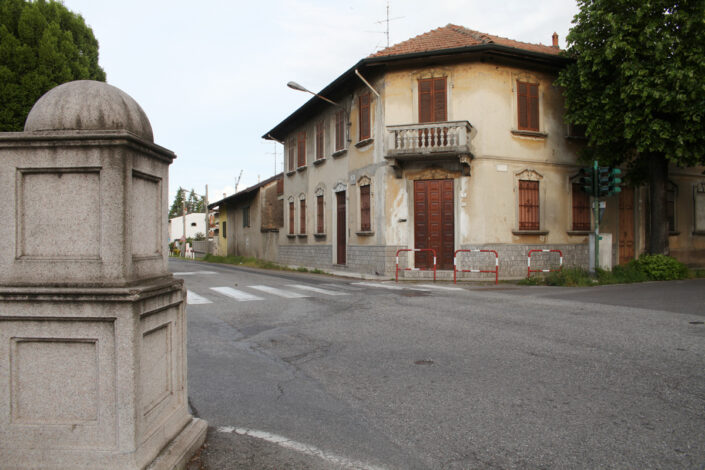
[[212, 76]]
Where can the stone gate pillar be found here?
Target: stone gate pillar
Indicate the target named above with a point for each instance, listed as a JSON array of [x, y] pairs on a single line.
[[92, 324]]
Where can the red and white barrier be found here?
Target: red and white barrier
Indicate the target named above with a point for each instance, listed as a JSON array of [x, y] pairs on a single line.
[[456, 270], [416, 269], [560, 267]]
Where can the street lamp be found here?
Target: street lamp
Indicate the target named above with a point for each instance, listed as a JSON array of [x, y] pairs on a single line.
[[297, 87]]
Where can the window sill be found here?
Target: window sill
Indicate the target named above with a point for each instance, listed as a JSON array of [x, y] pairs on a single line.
[[320, 161], [578, 233], [525, 133], [339, 153], [364, 142], [302, 235], [290, 235], [530, 232], [698, 232], [301, 168], [319, 235], [365, 233], [290, 172]]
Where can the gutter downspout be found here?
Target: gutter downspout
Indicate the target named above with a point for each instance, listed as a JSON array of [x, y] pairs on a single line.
[[366, 83]]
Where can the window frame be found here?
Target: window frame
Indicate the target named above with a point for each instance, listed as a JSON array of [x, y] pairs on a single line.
[[246, 216], [531, 103], [340, 125], [320, 214], [292, 217], [301, 149], [364, 116], [302, 216], [292, 155], [530, 207], [366, 209], [320, 140]]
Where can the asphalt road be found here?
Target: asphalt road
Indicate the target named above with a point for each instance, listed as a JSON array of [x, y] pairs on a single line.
[[344, 374]]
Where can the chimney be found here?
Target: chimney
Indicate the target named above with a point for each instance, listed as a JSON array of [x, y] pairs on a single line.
[[555, 40]]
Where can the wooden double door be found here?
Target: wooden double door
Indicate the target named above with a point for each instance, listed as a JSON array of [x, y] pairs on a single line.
[[434, 222]]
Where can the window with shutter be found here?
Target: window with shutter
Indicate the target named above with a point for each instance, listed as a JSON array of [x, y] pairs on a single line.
[[528, 106], [319, 214], [301, 146], [302, 216], [292, 160], [365, 224], [340, 130], [432, 100], [291, 218], [581, 209], [319, 140], [528, 205], [365, 131]]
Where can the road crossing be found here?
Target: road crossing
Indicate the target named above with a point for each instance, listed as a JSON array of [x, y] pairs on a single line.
[[259, 292]]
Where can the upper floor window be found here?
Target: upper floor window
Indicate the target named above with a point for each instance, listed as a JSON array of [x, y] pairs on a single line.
[[340, 130], [529, 205], [292, 160], [432, 100], [528, 106], [365, 126], [301, 149], [581, 209], [319, 140]]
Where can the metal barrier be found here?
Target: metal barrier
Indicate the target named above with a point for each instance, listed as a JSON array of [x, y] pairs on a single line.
[[456, 270], [416, 269], [543, 270]]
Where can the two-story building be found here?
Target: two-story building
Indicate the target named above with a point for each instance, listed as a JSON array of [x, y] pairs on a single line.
[[453, 139]]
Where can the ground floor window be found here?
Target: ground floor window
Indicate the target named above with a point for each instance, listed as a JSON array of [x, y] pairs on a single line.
[[529, 205]]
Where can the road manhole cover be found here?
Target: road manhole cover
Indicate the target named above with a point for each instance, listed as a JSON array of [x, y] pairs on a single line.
[[423, 362]]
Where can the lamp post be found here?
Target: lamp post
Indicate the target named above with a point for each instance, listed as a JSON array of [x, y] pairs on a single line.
[[297, 87]]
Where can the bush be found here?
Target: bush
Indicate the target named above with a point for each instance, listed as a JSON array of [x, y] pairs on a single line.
[[660, 267], [570, 277]]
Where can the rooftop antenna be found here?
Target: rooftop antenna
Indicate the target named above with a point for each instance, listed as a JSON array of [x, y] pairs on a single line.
[[386, 32]]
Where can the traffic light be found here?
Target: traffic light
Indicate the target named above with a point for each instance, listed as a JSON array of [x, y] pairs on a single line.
[[603, 181], [587, 180], [615, 180]]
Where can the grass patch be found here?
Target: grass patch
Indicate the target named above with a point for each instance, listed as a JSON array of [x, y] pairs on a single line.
[[646, 268], [256, 263]]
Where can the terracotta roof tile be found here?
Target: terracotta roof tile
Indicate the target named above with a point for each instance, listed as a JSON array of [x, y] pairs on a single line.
[[453, 36]]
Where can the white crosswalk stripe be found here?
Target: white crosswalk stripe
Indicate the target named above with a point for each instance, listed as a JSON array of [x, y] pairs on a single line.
[[387, 286], [193, 273], [194, 299], [236, 294], [342, 286], [279, 292], [317, 289], [433, 286]]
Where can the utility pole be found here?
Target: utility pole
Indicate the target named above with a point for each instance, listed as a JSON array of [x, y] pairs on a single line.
[[205, 204]]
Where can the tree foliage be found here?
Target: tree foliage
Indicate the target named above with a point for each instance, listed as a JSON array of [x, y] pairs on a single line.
[[636, 84], [192, 204], [42, 45]]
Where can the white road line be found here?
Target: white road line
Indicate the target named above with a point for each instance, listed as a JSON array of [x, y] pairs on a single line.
[[431, 286], [317, 289], [192, 273], [342, 286], [279, 292], [235, 294], [194, 299], [386, 286], [333, 459]]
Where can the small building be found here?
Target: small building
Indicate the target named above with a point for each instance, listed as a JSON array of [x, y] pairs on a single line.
[[195, 224], [249, 220]]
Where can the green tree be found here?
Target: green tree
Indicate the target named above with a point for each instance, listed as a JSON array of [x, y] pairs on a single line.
[[177, 206], [195, 203], [42, 45], [636, 84]]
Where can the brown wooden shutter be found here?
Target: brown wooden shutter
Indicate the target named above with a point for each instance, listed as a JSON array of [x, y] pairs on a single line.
[[365, 116], [291, 218], [319, 140], [528, 106], [432, 100], [280, 187], [581, 209], [292, 161], [302, 215], [528, 205], [319, 214], [301, 149], [365, 224], [339, 130]]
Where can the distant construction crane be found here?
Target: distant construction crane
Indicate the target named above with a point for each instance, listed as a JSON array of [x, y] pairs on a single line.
[[237, 181]]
